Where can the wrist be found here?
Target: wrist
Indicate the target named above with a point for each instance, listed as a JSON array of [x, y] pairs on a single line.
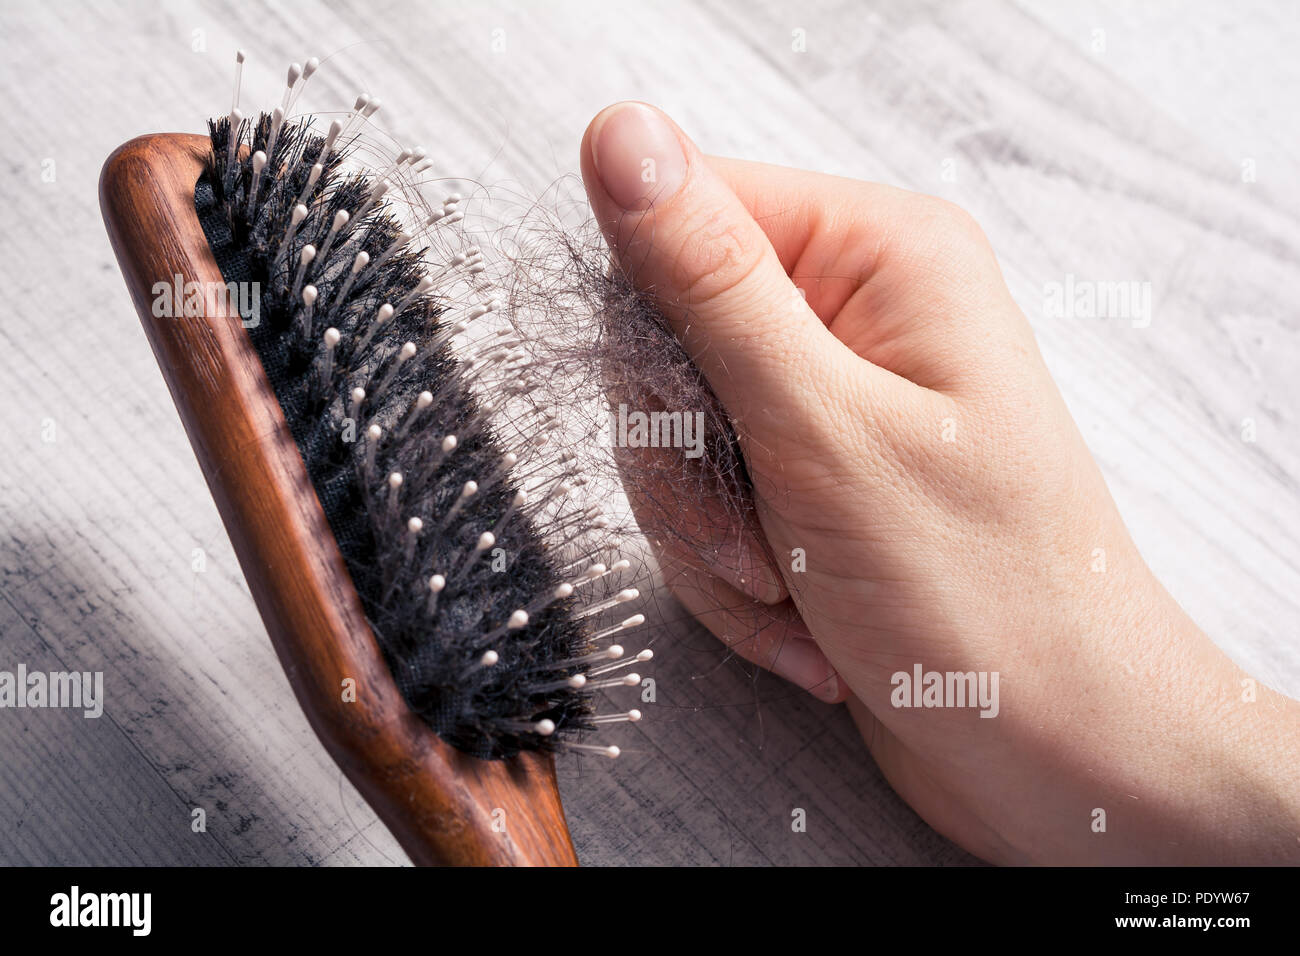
[[1218, 750]]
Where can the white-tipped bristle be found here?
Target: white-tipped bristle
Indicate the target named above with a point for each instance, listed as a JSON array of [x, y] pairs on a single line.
[[277, 121], [332, 335], [340, 220], [309, 294], [517, 620], [640, 658], [485, 541], [236, 117], [627, 680], [610, 751], [310, 67], [577, 681], [468, 489], [312, 179], [489, 658], [449, 443], [622, 597], [259, 162], [436, 583], [414, 525], [614, 651], [563, 591], [360, 262], [395, 480], [239, 77], [299, 214], [374, 432], [304, 260], [636, 620], [295, 71], [545, 727]]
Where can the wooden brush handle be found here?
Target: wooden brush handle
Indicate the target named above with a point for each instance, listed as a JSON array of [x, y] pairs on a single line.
[[438, 803]]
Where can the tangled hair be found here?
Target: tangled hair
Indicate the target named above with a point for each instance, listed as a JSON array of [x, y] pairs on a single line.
[[584, 317]]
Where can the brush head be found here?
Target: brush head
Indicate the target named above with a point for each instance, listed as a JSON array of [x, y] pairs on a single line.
[[355, 342]]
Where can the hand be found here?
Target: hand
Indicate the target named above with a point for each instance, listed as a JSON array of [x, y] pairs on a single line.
[[905, 437]]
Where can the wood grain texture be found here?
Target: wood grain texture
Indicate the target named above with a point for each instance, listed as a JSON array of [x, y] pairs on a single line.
[[439, 804], [1115, 160]]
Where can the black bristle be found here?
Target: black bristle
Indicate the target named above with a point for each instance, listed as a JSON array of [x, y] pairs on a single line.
[[484, 711]]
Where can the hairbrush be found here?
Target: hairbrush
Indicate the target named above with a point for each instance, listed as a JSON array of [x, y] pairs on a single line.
[[325, 333]]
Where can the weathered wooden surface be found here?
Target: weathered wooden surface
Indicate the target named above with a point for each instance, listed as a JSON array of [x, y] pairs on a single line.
[[1161, 149]]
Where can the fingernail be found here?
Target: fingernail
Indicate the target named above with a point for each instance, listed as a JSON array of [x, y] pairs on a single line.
[[637, 155], [805, 666], [829, 689]]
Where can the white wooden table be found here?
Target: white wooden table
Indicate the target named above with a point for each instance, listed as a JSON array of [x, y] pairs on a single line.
[[1091, 140]]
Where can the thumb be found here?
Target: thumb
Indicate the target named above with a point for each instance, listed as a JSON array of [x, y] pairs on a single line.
[[682, 234]]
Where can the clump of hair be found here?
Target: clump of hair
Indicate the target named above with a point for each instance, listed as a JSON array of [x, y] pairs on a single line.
[[606, 343]]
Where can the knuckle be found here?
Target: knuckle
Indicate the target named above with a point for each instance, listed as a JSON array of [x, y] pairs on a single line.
[[943, 236], [953, 220]]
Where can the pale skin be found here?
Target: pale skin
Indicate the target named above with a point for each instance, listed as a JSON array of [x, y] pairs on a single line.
[[903, 431]]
